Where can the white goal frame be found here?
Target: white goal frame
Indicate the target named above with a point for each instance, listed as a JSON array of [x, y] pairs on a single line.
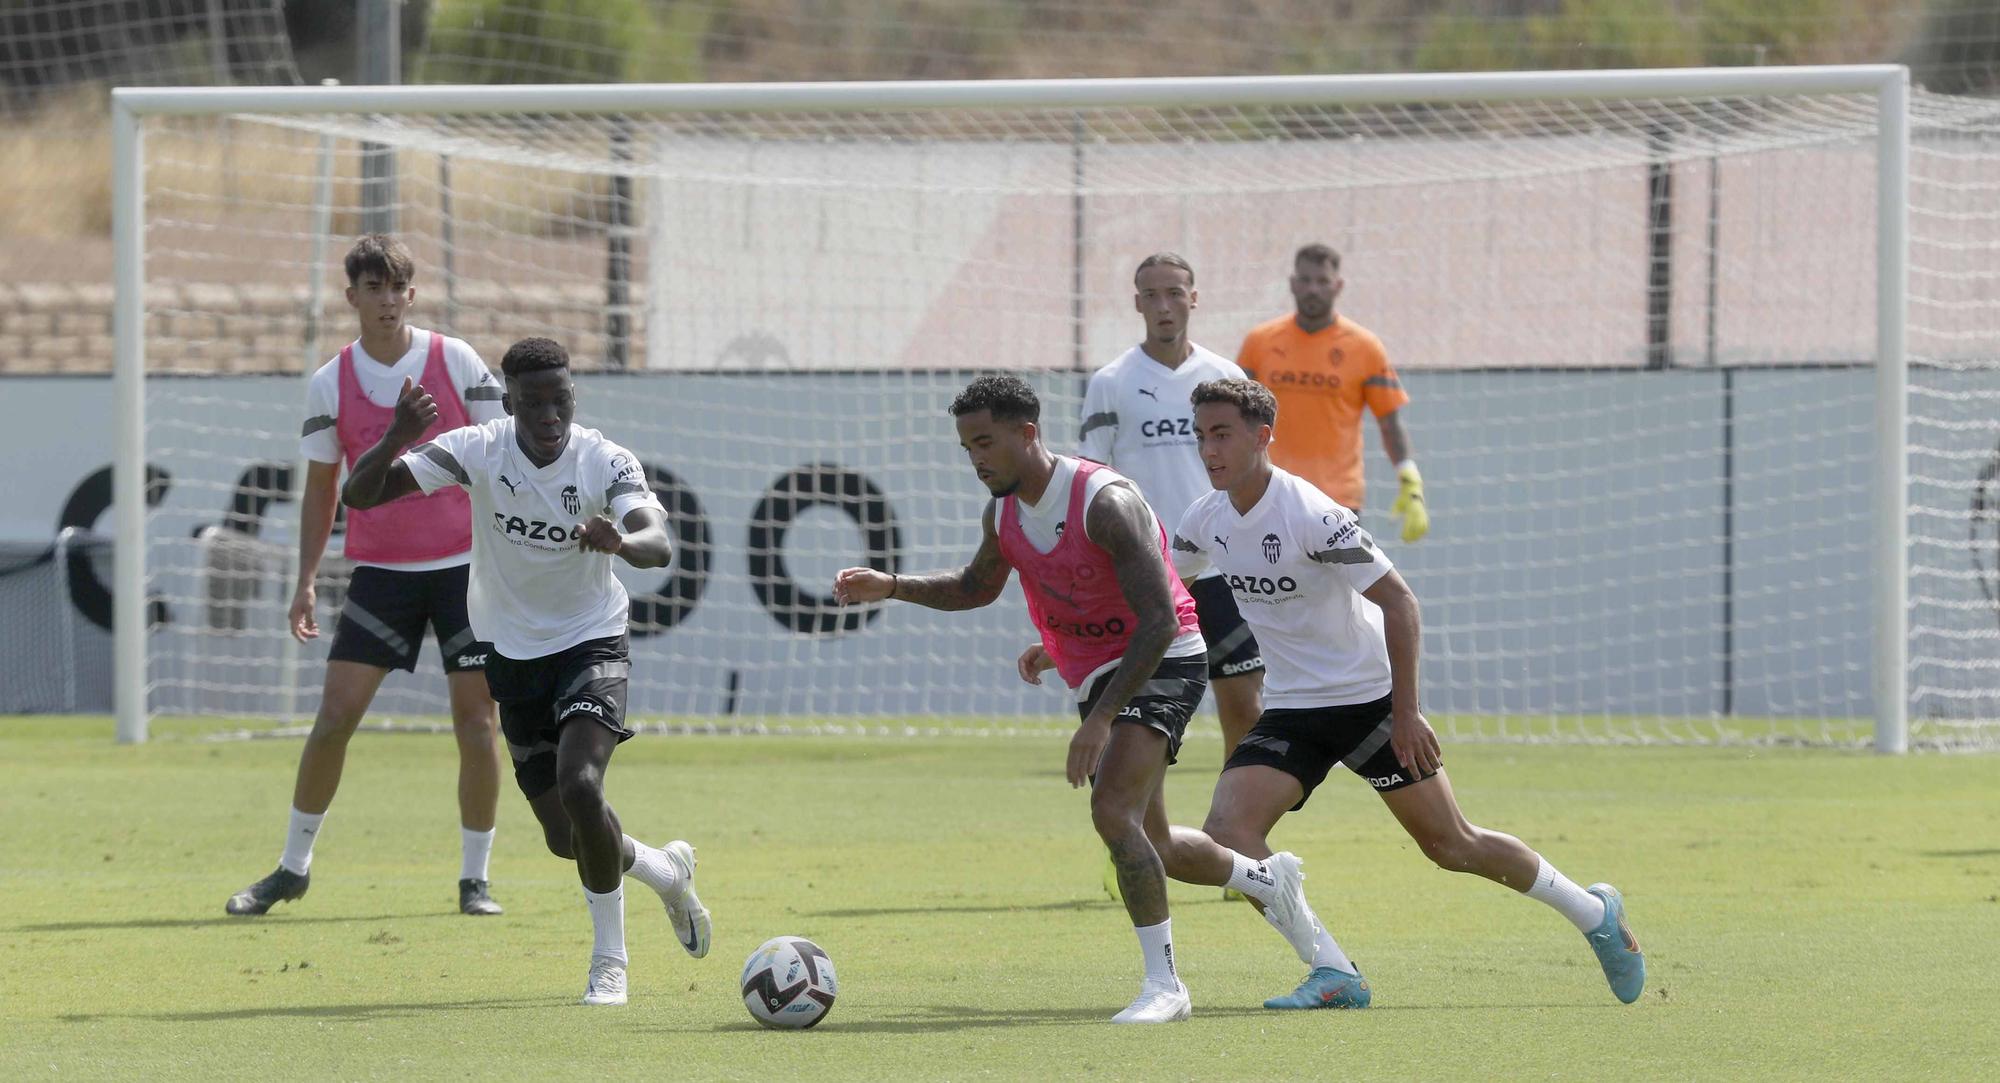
[[1888, 84]]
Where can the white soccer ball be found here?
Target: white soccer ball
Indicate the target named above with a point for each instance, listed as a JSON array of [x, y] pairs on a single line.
[[788, 983]]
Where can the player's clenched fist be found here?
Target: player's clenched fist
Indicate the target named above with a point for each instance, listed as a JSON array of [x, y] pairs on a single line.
[[862, 585], [416, 412], [599, 535]]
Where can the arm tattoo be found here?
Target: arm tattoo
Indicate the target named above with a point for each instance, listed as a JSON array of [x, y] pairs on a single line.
[[1120, 523], [977, 584]]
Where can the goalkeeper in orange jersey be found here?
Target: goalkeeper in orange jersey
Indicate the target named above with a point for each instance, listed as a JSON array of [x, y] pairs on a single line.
[[1323, 368]]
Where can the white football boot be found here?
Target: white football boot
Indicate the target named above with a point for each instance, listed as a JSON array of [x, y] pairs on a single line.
[[607, 982], [1287, 911], [1158, 1004], [684, 909]]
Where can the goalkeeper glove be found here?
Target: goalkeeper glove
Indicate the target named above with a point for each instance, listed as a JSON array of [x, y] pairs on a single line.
[[1409, 505]]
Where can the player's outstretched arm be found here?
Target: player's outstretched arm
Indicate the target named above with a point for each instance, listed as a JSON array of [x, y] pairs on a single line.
[[1410, 735], [377, 477], [644, 543], [1121, 525], [975, 585]]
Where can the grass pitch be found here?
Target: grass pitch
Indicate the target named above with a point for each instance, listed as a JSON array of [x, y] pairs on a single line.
[[1806, 914]]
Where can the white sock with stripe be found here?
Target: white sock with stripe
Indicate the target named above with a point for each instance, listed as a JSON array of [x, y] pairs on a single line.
[[1156, 943]]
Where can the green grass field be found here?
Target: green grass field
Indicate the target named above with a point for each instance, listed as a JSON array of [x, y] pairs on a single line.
[[1807, 914]]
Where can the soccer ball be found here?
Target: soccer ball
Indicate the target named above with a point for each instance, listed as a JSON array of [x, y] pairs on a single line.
[[788, 983]]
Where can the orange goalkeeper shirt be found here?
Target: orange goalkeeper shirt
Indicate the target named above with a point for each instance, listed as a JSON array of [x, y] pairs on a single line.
[[1321, 381]]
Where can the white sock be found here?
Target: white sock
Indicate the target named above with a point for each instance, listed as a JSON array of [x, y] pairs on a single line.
[[298, 857], [607, 917], [1328, 953], [475, 848], [651, 868], [1253, 878], [1156, 942], [1584, 910]]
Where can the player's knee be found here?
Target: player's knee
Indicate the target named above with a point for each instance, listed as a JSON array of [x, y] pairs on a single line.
[[474, 725], [1452, 850], [1225, 830], [581, 792], [335, 722], [1113, 818]]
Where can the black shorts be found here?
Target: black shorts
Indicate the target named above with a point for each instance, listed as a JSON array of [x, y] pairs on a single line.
[[1232, 650], [1306, 742], [538, 695], [1165, 702], [382, 621]]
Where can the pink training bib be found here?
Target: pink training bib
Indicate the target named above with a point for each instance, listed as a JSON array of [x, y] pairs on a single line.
[[414, 527], [1072, 590]]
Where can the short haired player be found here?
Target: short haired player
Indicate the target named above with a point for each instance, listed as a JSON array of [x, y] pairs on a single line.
[[1120, 628], [1339, 630], [410, 560], [1136, 420], [1324, 369], [552, 504]]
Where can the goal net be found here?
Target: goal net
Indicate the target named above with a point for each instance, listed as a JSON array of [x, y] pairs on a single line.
[[1639, 316]]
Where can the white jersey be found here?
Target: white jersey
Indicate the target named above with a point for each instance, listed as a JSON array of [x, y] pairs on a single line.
[[472, 382], [534, 592], [1043, 525], [1297, 564], [1138, 421]]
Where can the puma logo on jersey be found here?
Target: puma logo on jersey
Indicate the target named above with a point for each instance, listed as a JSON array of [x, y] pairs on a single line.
[[1066, 599], [1219, 541], [1148, 392], [512, 489]]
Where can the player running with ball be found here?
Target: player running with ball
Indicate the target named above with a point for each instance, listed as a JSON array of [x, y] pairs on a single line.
[[1339, 632], [552, 504], [1120, 628]]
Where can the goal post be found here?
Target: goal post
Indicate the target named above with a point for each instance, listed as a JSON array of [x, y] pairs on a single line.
[[1503, 132]]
